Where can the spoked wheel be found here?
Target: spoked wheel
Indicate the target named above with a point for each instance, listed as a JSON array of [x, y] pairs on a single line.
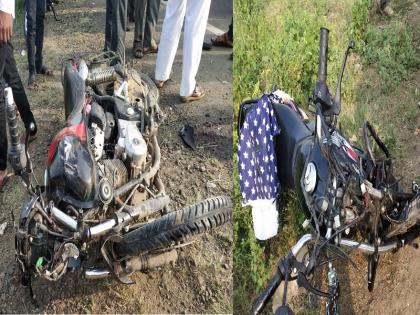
[[176, 226]]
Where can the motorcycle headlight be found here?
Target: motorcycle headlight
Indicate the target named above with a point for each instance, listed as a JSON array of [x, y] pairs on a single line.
[[309, 181]]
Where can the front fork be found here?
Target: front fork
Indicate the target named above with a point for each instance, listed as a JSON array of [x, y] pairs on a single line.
[[18, 154]]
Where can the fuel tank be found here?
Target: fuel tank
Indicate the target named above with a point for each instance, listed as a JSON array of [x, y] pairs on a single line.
[[72, 177]]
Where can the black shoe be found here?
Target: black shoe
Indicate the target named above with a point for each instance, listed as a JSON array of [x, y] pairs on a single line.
[[207, 46], [31, 81]]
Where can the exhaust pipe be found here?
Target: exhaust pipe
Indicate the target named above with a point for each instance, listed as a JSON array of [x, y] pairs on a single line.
[[122, 218], [95, 274], [143, 209], [141, 263]]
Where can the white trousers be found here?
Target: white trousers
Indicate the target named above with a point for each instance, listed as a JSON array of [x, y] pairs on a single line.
[[196, 13]]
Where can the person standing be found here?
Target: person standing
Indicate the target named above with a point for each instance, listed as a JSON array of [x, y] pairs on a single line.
[[115, 26], [195, 14], [9, 73], [34, 33], [146, 16]]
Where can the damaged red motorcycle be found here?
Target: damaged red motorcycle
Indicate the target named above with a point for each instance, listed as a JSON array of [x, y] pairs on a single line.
[[350, 196], [102, 207]]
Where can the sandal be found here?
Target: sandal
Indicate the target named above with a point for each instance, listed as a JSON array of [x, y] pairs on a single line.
[[160, 83], [3, 179], [138, 52], [195, 96], [222, 41], [46, 71]]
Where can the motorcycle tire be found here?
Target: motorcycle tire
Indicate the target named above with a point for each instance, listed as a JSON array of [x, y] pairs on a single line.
[[176, 226]]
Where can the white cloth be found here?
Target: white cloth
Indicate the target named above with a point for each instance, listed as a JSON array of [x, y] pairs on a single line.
[[264, 218], [196, 13], [8, 6]]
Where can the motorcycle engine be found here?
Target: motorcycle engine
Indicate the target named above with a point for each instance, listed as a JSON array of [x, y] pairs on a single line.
[[131, 145], [117, 144]]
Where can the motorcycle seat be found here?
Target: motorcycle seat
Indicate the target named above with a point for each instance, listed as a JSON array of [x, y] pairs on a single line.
[[74, 95]]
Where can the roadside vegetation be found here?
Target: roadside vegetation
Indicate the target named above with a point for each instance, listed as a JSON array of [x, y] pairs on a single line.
[[277, 43]]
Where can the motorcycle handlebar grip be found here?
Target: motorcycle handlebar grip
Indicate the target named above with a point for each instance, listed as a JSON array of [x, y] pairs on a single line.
[[323, 52], [267, 293]]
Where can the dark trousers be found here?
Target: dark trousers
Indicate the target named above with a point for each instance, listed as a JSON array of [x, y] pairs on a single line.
[[146, 16], [130, 10], [115, 25], [9, 73], [34, 31]]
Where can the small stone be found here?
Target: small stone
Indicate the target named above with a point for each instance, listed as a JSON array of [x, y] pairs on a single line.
[[210, 185], [202, 283], [3, 227]]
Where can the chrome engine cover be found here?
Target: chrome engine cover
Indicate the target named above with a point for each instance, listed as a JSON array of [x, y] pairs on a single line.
[[131, 142]]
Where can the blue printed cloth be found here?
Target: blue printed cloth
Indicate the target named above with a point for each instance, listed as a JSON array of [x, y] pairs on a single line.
[[256, 156]]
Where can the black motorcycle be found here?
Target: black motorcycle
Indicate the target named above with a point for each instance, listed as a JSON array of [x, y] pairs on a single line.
[[102, 208], [343, 190]]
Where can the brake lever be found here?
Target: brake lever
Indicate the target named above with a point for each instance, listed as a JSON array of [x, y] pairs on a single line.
[[304, 282]]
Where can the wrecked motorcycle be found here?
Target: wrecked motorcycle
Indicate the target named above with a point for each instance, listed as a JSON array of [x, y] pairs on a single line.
[[102, 208], [350, 196]]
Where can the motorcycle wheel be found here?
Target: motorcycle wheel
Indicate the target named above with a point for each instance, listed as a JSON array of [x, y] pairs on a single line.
[[176, 226]]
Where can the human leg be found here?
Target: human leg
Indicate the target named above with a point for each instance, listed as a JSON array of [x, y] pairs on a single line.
[[169, 38], [30, 36], [152, 14], [119, 24], [3, 131], [194, 30], [12, 78], [39, 37], [140, 9], [108, 24]]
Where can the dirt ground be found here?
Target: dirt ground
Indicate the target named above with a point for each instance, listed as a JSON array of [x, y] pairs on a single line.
[[201, 280]]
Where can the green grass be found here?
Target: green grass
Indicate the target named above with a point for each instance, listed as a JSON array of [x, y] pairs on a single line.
[[277, 43], [391, 51]]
